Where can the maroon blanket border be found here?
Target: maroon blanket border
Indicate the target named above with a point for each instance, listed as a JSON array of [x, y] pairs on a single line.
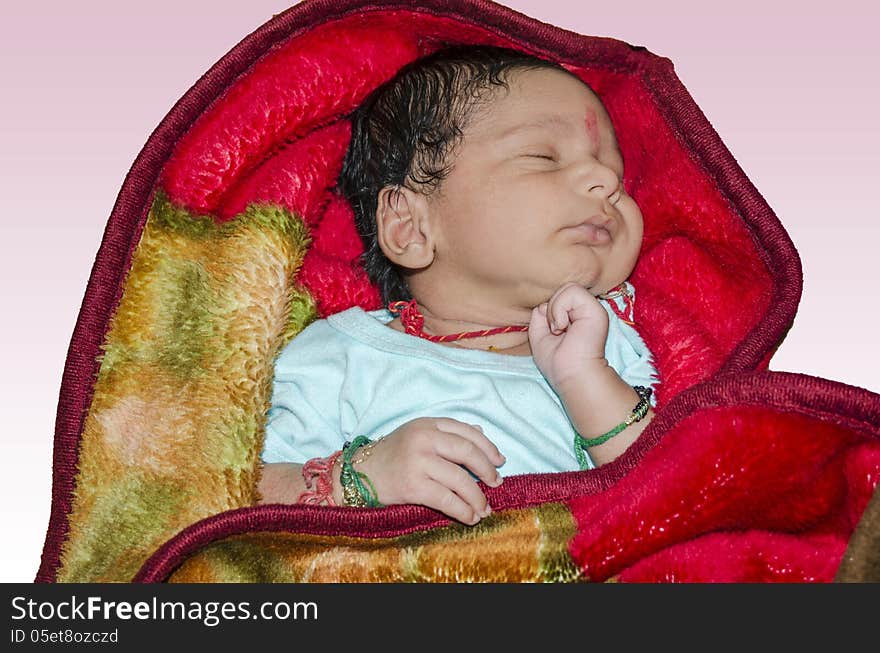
[[127, 218]]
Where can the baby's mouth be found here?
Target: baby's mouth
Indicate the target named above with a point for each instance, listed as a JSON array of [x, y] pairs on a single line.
[[594, 229]]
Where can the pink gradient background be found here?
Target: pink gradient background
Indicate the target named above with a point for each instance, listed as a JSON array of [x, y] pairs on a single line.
[[791, 88]]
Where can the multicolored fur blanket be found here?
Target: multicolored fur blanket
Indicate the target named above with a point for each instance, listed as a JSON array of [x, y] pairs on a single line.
[[228, 238]]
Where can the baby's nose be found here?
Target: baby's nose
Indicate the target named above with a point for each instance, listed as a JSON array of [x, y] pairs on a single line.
[[603, 181]]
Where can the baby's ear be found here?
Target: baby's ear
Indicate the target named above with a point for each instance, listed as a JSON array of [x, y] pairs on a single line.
[[403, 227]]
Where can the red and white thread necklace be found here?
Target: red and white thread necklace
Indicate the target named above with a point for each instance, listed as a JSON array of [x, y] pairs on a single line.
[[413, 321]]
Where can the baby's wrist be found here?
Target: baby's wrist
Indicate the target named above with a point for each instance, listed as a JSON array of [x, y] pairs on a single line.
[[594, 371], [317, 478], [336, 478], [357, 488]]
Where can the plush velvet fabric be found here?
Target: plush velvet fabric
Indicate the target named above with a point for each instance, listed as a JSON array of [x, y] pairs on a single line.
[[228, 237]]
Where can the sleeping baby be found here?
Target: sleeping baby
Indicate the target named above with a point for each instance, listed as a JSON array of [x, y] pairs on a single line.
[[487, 186]]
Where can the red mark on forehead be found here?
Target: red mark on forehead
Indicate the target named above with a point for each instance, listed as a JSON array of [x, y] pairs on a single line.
[[591, 123]]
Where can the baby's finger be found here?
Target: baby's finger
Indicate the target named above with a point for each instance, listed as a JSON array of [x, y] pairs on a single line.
[[473, 433], [459, 481], [539, 325], [557, 310], [568, 298], [439, 497], [457, 449]]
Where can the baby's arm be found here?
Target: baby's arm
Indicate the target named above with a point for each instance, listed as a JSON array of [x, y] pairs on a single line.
[[284, 483], [281, 483], [568, 337], [424, 461], [598, 400]]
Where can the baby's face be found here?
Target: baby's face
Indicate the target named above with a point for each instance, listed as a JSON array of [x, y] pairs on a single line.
[[516, 210]]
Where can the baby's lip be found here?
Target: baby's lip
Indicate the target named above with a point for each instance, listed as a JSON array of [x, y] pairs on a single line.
[[597, 222]]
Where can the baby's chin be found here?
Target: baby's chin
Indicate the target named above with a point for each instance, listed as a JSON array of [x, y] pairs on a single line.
[[595, 275], [600, 286], [593, 281], [546, 293], [605, 287], [609, 279]]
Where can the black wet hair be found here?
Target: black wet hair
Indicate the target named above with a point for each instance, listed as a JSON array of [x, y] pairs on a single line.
[[405, 130]]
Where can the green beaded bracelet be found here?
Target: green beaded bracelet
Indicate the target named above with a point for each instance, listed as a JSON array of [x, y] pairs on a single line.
[[354, 491], [581, 444]]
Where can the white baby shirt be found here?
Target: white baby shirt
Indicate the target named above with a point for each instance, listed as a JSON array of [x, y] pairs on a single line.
[[350, 375]]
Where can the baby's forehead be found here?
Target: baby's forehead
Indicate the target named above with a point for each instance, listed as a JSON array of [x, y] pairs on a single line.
[[554, 101], [577, 120]]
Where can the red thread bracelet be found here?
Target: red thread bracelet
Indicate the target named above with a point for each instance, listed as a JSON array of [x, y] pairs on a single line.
[[319, 472]]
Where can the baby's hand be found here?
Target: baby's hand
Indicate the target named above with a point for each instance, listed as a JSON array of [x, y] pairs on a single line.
[[567, 334], [421, 462]]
